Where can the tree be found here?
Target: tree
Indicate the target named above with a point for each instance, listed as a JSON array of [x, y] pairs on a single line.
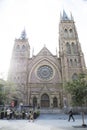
[[2, 93], [2, 96], [78, 90], [7, 92], [10, 92]]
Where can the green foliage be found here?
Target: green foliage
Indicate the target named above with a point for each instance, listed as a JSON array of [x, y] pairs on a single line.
[[2, 95], [38, 113], [6, 89], [78, 90]]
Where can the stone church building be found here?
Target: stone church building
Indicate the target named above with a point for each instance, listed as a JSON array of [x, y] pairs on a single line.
[[39, 79]]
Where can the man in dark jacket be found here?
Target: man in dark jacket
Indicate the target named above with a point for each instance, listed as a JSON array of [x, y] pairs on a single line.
[[71, 115]]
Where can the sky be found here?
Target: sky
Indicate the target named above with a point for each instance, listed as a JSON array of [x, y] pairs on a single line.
[[40, 18]]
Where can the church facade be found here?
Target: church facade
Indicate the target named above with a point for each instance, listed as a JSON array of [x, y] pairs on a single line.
[[39, 79]]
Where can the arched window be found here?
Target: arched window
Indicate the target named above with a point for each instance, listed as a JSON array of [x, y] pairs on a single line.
[[71, 62], [68, 61], [70, 30], [18, 78], [74, 76], [65, 30], [15, 78], [74, 48], [68, 49], [17, 48], [55, 102], [34, 101], [23, 47], [75, 62]]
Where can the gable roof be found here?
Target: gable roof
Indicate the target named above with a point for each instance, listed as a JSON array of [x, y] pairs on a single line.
[[44, 52]]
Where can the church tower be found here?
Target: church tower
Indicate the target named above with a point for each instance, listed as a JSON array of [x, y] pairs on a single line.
[[70, 52], [18, 73]]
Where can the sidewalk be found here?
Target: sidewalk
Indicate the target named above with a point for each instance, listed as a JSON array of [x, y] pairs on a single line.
[[44, 122], [56, 121]]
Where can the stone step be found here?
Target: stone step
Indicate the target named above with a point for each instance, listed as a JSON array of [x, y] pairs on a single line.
[[51, 111]]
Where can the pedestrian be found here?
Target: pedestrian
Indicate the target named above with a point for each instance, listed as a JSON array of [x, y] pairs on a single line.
[[71, 115], [2, 113], [23, 114], [31, 116], [8, 113]]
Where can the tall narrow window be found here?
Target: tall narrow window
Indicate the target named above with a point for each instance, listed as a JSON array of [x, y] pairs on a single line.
[[74, 76], [67, 61], [65, 32], [71, 62], [23, 47], [34, 101], [70, 30], [68, 49], [75, 62], [74, 48]]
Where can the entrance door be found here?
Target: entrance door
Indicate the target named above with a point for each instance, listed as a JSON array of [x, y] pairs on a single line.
[[45, 102], [34, 101], [54, 102]]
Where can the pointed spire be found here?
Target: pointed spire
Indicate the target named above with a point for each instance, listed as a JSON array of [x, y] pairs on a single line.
[[56, 50], [60, 16], [71, 16], [65, 17], [44, 45], [33, 52], [23, 34]]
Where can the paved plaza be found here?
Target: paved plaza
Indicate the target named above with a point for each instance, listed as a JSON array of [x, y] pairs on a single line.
[[44, 122]]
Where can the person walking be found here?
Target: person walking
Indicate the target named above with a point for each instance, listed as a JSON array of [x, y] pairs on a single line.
[[31, 116], [71, 116]]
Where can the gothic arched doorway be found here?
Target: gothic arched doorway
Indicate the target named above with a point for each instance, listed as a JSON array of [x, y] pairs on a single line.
[[45, 102], [54, 102], [34, 101]]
